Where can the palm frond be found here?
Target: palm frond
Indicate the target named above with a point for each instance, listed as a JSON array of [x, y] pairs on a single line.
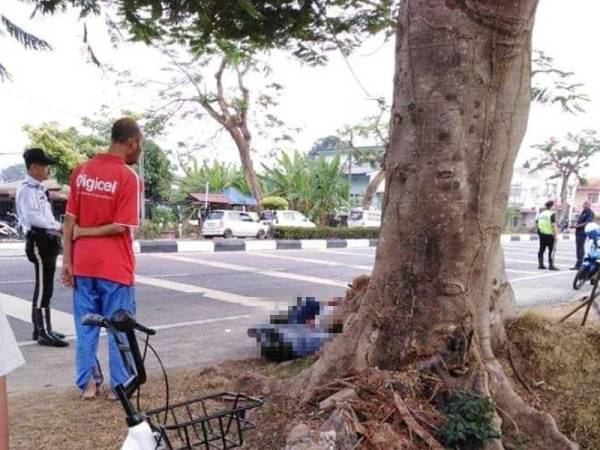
[[28, 40]]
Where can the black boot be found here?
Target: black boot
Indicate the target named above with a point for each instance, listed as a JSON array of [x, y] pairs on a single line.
[[541, 263], [43, 338], [48, 323], [35, 327]]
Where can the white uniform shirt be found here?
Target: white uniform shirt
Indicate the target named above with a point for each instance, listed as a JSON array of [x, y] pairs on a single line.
[[10, 355], [33, 206]]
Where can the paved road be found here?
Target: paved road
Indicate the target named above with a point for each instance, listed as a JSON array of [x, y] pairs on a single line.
[[203, 303]]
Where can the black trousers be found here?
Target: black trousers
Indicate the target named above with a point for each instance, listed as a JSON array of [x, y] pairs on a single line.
[[546, 242], [42, 248], [580, 244]]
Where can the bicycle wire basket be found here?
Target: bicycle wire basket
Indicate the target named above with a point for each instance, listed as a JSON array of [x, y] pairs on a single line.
[[212, 422]]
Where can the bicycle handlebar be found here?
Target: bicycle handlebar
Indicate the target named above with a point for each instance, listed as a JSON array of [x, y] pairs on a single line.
[[123, 321]]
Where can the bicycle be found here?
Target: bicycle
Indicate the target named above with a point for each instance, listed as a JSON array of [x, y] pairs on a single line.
[[211, 422]]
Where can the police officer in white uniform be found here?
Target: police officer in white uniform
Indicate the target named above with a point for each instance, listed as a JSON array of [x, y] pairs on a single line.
[[42, 242]]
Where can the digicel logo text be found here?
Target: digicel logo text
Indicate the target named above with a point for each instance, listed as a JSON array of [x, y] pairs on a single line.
[[96, 184]]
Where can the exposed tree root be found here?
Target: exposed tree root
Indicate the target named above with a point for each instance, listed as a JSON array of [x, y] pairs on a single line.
[[467, 362]]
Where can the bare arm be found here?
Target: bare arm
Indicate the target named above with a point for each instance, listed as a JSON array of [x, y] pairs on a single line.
[[108, 229], [67, 267]]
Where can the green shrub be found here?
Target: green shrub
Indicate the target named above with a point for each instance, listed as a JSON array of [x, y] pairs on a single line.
[[149, 230], [469, 422], [164, 215], [274, 202], [325, 233]]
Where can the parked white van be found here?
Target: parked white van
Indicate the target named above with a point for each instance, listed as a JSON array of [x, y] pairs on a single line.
[[229, 223], [368, 218], [287, 218]]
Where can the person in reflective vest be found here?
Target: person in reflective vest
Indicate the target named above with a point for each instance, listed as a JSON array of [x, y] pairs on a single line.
[[546, 229]]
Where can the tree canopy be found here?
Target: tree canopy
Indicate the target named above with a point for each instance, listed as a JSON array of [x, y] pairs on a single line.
[[69, 147], [158, 175], [308, 28]]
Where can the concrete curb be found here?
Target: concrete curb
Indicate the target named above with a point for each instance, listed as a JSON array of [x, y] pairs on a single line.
[[507, 238], [9, 249]]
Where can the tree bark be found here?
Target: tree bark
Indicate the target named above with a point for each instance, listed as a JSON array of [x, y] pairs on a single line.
[[243, 145], [372, 189], [461, 104], [234, 118]]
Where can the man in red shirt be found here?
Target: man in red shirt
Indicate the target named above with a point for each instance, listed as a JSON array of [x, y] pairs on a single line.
[[98, 261]]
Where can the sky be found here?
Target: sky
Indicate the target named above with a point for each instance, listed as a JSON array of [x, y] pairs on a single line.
[[62, 86]]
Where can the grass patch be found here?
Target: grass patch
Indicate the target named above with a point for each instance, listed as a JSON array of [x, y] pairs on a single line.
[[61, 420]]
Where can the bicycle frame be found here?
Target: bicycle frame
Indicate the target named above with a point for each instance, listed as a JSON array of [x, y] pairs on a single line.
[[140, 435], [195, 423]]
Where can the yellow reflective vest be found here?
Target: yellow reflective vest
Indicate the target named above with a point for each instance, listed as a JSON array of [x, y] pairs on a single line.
[[544, 222]]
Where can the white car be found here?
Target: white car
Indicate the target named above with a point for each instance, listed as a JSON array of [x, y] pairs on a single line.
[[229, 223], [288, 218], [368, 218]]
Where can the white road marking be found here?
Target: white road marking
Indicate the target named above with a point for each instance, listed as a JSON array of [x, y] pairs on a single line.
[[545, 275], [534, 256], [313, 261], [167, 275], [532, 261], [163, 327], [210, 293], [269, 273], [333, 252], [21, 309], [520, 271]]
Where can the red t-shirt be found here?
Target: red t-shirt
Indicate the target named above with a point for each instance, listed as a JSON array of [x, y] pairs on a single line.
[[104, 190]]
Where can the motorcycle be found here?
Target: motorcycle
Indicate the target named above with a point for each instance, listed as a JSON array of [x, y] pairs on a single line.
[[590, 264], [8, 232]]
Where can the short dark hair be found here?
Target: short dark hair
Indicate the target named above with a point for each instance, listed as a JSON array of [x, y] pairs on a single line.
[[123, 129], [549, 204], [36, 155]]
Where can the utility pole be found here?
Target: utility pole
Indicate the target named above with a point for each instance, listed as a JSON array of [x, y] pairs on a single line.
[[349, 173], [206, 199]]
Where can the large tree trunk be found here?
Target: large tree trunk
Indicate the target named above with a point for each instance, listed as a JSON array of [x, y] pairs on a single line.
[[243, 146], [372, 189], [461, 104]]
